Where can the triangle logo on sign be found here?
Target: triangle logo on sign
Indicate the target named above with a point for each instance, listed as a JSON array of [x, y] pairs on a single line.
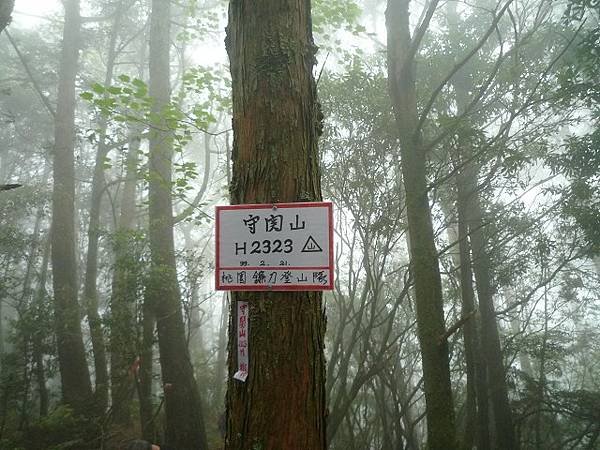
[[311, 246]]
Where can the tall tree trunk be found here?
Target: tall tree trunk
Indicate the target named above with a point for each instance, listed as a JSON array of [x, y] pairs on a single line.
[[477, 389], [458, 236], [540, 390], [276, 122], [460, 252], [74, 372], [90, 290], [477, 414], [25, 309], [184, 421], [472, 223], [490, 338], [220, 363], [424, 260], [124, 293], [38, 350], [40, 376], [144, 381], [40, 298], [25, 354]]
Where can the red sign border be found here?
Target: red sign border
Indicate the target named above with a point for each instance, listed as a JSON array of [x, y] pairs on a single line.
[[244, 287]]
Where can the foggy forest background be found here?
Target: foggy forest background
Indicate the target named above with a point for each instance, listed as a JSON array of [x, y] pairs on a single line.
[[508, 101]]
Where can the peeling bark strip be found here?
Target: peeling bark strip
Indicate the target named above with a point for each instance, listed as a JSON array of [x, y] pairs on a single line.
[[275, 121]]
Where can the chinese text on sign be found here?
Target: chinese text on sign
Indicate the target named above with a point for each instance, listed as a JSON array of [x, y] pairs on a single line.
[[288, 246]]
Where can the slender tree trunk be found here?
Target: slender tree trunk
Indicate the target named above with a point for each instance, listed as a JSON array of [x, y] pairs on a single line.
[[383, 414], [144, 382], [90, 290], [26, 295], [124, 293], [405, 387], [75, 377], [25, 309], [490, 338], [38, 351], [184, 421], [194, 336], [26, 381], [194, 326], [40, 376], [5, 393], [144, 378], [515, 325], [461, 258], [123, 297], [276, 123], [462, 261], [477, 389], [476, 409], [220, 364], [472, 223], [540, 389], [424, 261]]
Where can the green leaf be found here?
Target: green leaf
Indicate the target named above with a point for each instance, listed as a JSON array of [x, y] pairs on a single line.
[[139, 83], [98, 88]]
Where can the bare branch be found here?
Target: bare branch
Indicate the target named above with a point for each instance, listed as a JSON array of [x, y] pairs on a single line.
[[420, 32], [37, 88], [460, 65], [454, 328]]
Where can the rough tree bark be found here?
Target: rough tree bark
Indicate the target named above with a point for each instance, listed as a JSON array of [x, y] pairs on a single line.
[[184, 421], [74, 372], [441, 432], [276, 122]]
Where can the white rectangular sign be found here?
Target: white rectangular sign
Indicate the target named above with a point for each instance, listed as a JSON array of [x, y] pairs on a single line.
[[286, 246]]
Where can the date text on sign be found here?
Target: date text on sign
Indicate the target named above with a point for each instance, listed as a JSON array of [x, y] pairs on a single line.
[[281, 247]]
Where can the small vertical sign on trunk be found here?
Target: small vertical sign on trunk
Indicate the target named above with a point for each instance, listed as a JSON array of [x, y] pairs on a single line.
[[243, 327]]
